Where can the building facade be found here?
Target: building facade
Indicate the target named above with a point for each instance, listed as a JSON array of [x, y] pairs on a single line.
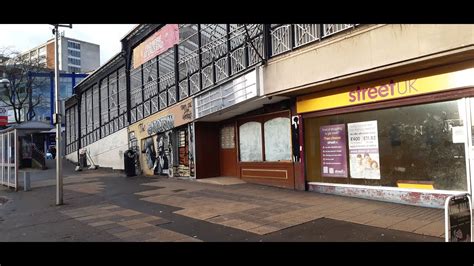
[[45, 89], [74, 55], [374, 111], [96, 116], [385, 114], [43, 95]]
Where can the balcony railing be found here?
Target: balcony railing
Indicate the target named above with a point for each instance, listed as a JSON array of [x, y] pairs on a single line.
[[286, 37]]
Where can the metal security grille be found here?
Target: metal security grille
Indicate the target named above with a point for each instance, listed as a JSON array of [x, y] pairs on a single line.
[[71, 128], [96, 113], [330, 29], [306, 33], [104, 104], [150, 86], [280, 38], [83, 119], [89, 113], [122, 91], [113, 106]]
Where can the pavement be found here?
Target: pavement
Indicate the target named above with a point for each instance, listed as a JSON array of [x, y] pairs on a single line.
[[104, 205]]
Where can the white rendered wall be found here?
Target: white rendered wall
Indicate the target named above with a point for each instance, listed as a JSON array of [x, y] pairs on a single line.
[[107, 152]]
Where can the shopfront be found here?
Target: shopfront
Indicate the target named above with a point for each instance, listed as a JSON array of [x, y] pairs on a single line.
[[265, 148], [165, 141], [241, 134], [404, 139]]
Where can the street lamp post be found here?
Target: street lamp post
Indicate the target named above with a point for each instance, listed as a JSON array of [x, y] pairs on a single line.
[[57, 117]]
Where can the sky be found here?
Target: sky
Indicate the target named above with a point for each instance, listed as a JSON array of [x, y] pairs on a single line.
[[24, 37]]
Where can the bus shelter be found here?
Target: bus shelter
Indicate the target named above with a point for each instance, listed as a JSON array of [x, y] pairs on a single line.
[[17, 144]]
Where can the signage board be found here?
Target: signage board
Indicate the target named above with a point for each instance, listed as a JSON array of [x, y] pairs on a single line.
[[3, 116], [333, 150], [458, 219]]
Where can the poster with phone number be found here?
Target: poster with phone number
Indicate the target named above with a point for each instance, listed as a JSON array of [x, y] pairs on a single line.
[[333, 150], [364, 150]]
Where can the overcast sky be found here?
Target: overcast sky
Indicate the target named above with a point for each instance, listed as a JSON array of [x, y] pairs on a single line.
[[24, 37]]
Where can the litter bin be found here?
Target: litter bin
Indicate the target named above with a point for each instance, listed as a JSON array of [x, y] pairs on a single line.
[[82, 158], [129, 162]]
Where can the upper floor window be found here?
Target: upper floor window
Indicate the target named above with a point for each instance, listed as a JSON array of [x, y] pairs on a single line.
[[74, 69], [74, 61], [74, 45], [74, 53]]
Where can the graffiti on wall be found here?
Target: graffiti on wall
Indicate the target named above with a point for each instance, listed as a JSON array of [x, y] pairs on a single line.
[[161, 125], [187, 110], [141, 127], [150, 154], [164, 160]]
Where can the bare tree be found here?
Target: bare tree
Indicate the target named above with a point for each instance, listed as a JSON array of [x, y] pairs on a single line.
[[19, 95]]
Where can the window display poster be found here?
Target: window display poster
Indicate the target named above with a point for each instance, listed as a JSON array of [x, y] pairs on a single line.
[[333, 150], [364, 150], [458, 218]]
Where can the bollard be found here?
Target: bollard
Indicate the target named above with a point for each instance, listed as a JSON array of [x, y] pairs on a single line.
[[26, 181]]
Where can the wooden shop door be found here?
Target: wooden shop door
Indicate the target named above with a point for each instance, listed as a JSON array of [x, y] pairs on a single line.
[[228, 151]]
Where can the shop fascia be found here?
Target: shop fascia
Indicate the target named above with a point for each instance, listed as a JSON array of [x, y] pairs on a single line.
[[388, 90], [161, 125]]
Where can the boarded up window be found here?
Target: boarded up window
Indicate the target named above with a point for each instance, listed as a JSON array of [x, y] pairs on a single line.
[[250, 142]]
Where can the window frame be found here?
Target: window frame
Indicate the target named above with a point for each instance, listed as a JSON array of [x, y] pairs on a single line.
[[262, 119]]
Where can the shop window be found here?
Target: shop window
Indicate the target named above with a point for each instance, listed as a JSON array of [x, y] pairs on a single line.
[[418, 146], [250, 142], [277, 139]]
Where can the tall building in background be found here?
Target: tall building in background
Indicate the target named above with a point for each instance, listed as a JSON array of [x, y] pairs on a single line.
[[44, 87], [76, 58], [74, 55]]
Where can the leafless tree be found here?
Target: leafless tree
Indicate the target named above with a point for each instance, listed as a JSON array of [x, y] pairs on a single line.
[[18, 70]]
